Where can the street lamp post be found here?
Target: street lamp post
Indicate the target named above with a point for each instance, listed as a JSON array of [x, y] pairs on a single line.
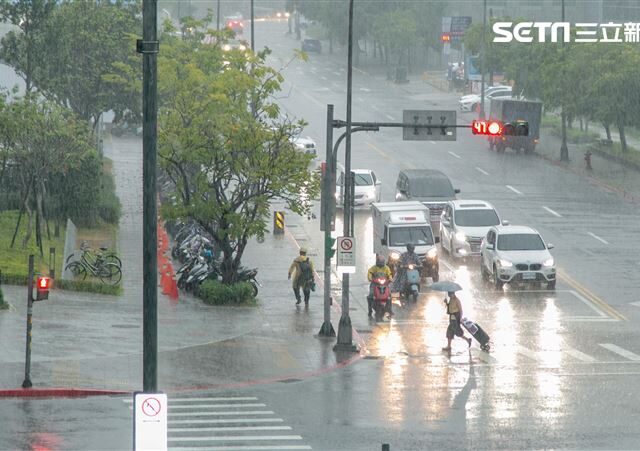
[[218, 17], [564, 150], [345, 331], [253, 44], [484, 59]]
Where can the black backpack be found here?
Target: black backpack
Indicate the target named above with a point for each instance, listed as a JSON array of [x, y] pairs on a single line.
[[306, 273]]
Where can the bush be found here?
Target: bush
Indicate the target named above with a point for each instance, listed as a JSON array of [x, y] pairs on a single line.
[[213, 292], [3, 305], [109, 206], [71, 285]]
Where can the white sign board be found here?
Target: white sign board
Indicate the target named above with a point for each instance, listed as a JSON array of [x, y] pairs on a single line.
[[150, 425], [346, 255]]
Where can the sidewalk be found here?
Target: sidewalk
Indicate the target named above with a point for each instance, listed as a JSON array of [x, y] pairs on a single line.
[[88, 341]]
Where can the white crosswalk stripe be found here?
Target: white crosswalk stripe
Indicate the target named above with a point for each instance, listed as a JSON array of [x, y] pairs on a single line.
[[621, 351], [226, 423]]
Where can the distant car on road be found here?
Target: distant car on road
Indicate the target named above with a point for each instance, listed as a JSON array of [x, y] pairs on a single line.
[[367, 189], [304, 144], [472, 102], [235, 23], [516, 254], [311, 45]]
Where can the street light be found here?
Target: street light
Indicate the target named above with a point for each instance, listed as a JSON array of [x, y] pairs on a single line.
[[482, 70]]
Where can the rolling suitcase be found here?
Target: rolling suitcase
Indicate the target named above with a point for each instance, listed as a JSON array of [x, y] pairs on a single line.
[[478, 333]]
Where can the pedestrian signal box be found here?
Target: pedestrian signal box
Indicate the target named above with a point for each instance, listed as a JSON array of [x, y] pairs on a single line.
[[43, 285]]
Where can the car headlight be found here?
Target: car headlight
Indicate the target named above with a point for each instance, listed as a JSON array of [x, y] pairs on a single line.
[[432, 253], [549, 262], [505, 263], [461, 236], [394, 256]]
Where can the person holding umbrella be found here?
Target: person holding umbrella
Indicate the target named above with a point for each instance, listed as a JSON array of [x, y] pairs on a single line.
[[454, 310]]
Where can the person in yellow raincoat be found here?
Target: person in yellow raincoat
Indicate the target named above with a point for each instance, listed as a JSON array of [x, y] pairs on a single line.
[[302, 270]]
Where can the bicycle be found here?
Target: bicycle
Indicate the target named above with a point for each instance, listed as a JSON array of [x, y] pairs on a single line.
[[107, 272], [107, 255]]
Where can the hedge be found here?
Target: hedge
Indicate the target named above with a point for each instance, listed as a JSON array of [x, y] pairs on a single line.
[[71, 285], [3, 305], [213, 292]]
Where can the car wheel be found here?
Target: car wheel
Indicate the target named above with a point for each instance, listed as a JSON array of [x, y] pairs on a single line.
[[483, 272], [551, 285], [496, 280]]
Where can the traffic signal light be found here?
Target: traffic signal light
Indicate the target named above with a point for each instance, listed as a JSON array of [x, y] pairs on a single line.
[[445, 37], [328, 247], [497, 128], [43, 285]]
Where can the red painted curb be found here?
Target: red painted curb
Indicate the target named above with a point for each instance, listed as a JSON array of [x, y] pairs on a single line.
[[59, 392]]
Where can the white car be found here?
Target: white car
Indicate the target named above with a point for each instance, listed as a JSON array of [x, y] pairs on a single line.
[[516, 254], [367, 189], [463, 225], [487, 91], [307, 145], [472, 102]]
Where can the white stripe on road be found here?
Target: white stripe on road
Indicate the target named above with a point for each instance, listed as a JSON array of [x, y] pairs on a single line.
[[598, 238], [481, 171], [172, 400], [337, 73], [390, 117], [215, 406], [375, 107], [228, 421], [513, 189], [528, 352], [621, 351], [323, 77], [365, 89], [234, 438], [455, 155], [432, 142], [207, 414], [244, 448], [232, 428], [579, 355], [486, 358], [637, 304], [554, 213]]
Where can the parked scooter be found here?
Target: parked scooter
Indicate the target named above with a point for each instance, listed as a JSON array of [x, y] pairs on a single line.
[[381, 297]]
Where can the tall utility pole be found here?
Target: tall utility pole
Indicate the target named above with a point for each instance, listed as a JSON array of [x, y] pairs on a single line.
[[345, 332], [564, 150], [218, 17], [148, 46], [253, 43], [484, 59]]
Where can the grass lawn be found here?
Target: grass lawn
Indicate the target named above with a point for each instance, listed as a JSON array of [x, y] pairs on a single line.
[[105, 235], [15, 261]]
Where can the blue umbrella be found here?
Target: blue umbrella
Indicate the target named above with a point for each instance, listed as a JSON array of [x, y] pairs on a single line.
[[445, 286]]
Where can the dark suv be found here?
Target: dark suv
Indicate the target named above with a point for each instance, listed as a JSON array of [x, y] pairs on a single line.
[[428, 186]]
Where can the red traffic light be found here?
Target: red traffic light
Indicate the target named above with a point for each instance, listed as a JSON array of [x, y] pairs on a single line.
[[491, 128], [44, 283], [445, 37]]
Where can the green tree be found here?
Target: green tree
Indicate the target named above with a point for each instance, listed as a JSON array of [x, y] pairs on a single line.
[[25, 49], [227, 162]]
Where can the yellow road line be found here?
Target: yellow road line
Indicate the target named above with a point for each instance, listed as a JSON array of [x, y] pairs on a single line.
[[613, 313]]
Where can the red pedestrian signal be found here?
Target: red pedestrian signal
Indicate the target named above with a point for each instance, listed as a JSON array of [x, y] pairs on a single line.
[[491, 128], [43, 285]]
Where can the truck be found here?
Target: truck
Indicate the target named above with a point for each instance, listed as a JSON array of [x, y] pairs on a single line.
[[396, 224], [509, 111]]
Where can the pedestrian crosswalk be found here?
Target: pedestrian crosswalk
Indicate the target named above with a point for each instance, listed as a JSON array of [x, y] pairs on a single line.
[[241, 423]]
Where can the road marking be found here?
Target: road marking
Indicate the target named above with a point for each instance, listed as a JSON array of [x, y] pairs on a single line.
[[598, 238], [481, 171], [621, 351], [365, 89], [486, 358], [528, 352], [455, 155], [235, 438], [337, 73], [513, 189], [610, 311], [391, 118], [228, 421], [233, 428], [375, 107], [554, 213], [214, 406], [432, 142], [172, 400], [244, 448], [579, 355], [637, 304], [207, 414], [323, 77], [313, 99]]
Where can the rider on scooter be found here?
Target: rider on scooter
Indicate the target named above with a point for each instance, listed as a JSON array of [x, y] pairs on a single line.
[[380, 269], [407, 258]]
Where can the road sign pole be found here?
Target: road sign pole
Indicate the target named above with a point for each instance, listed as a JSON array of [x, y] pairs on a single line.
[[329, 190], [27, 362]]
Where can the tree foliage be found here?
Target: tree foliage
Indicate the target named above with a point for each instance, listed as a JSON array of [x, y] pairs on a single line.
[[223, 144]]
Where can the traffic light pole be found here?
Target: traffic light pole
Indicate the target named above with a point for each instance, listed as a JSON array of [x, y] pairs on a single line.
[[27, 362], [484, 59]]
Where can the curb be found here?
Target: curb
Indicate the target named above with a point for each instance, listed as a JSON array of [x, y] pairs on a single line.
[[58, 392]]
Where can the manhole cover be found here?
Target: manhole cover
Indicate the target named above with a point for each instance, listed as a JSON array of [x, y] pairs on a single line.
[[126, 326], [288, 381]]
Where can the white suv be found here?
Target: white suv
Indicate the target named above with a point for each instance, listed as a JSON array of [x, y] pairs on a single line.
[[516, 254], [463, 225]]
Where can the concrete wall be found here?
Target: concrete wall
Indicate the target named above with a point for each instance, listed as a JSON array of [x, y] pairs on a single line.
[[69, 248]]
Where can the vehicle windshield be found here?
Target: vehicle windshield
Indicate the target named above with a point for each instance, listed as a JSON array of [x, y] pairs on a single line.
[[432, 187], [476, 218], [520, 242], [419, 236], [363, 180]]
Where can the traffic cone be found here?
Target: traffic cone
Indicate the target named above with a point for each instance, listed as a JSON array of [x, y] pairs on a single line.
[[166, 282], [173, 290]]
